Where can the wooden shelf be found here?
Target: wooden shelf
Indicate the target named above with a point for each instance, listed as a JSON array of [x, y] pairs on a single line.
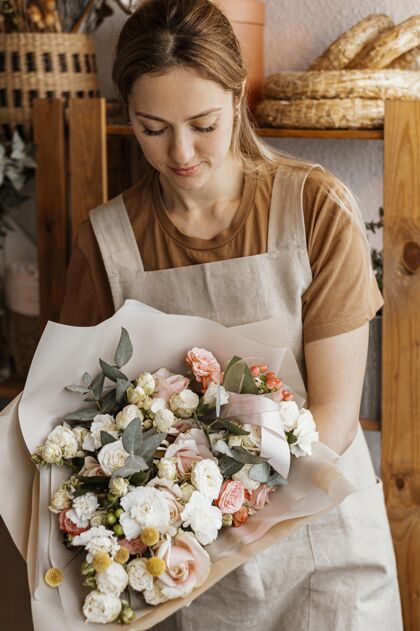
[[361, 134], [11, 387]]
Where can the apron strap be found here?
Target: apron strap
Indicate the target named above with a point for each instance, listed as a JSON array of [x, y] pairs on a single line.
[[117, 243], [286, 219]]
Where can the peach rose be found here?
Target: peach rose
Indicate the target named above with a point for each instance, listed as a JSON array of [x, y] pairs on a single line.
[[134, 546], [189, 448], [231, 496], [187, 563], [240, 517], [169, 383], [205, 367], [67, 525], [259, 497]]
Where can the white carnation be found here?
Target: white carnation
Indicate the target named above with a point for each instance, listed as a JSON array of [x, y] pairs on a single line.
[[243, 476], [207, 478], [289, 414], [147, 382], [167, 469], [136, 395], [101, 423], [97, 539], [60, 501], [204, 518], [112, 456], [164, 419], [143, 507], [128, 414], [184, 404], [85, 505], [101, 608], [65, 439], [113, 580], [305, 433], [210, 395], [51, 453], [138, 576]]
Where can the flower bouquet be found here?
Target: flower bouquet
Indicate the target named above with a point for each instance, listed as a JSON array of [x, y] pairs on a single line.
[[176, 469]]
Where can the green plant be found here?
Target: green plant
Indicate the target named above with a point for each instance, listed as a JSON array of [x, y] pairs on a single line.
[[377, 255]]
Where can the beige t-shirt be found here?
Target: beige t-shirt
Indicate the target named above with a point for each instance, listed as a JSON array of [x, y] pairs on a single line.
[[342, 296]]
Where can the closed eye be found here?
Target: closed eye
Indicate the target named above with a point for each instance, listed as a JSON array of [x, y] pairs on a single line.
[[159, 132]]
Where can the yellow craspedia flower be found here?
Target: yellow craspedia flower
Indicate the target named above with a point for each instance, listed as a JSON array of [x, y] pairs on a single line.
[[101, 562], [149, 536], [53, 577], [122, 555], [155, 566]]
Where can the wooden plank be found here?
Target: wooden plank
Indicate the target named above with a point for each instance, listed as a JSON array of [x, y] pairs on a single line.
[[88, 159], [50, 194], [114, 129], [400, 465]]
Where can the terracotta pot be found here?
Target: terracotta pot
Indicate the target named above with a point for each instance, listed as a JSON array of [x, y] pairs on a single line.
[[247, 18]]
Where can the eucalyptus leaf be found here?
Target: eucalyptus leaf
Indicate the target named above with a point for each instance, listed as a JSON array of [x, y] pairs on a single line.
[[233, 429], [277, 480], [108, 403], [86, 414], [86, 379], [75, 388], [260, 472], [151, 441], [111, 371], [96, 480], [98, 385], [242, 455], [106, 438], [122, 385], [238, 378], [228, 466], [141, 478], [124, 349], [132, 465], [132, 438]]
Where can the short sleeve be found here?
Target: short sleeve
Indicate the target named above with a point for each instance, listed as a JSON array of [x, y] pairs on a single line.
[[88, 298], [344, 293]]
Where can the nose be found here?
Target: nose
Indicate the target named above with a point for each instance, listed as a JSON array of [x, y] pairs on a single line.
[[181, 150]]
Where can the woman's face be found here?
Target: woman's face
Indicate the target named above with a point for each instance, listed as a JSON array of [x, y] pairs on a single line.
[[183, 124]]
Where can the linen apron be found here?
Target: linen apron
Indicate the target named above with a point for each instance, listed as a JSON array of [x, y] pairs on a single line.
[[339, 572]]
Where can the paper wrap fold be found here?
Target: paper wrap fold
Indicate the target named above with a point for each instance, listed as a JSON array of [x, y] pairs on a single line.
[[315, 486]]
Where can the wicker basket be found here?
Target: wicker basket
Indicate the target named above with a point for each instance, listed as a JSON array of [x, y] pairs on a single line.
[[36, 65]]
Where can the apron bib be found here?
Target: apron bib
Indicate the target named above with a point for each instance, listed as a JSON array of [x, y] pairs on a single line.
[[337, 573]]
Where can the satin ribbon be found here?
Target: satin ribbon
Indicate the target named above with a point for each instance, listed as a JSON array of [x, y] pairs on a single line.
[[260, 410]]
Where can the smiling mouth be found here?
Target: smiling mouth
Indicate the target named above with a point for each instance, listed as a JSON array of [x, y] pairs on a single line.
[[186, 171]]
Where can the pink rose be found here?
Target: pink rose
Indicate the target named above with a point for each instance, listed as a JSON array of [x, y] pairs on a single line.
[[259, 497], [134, 546], [189, 448], [67, 525], [204, 365], [188, 565], [231, 496], [91, 467], [169, 383]]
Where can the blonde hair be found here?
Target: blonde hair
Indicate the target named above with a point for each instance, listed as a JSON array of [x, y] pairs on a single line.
[[195, 34]]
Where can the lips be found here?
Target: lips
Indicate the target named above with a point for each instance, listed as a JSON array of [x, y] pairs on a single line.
[[189, 171]]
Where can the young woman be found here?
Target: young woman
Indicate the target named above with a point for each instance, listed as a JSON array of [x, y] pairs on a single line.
[[221, 226]]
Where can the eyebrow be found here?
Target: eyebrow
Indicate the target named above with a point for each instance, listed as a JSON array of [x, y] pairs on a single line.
[[162, 120]]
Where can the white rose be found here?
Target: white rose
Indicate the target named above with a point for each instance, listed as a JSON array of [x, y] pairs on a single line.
[[164, 419], [184, 404], [118, 486], [210, 395], [157, 404], [113, 580], [242, 476], [250, 442], [101, 608], [206, 477], [101, 423], [51, 453], [305, 433], [60, 501], [112, 456], [97, 518], [80, 432], [167, 469], [97, 539], [143, 507], [289, 414], [64, 438], [147, 382], [128, 414], [136, 395], [138, 576], [187, 490], [204, 518]]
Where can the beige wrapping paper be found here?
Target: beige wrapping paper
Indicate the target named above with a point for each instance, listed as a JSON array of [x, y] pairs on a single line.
[[315, 484]]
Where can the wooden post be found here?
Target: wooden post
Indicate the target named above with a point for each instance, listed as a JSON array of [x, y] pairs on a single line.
[[48, 118], [401, 347], [88, 157]]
